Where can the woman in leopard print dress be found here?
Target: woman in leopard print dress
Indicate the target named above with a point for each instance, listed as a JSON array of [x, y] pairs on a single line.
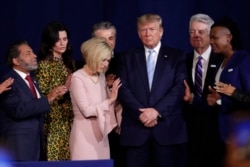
[[55, 68]]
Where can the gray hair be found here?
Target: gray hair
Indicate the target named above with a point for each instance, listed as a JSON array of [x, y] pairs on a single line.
[[203, 18], [104, 25]]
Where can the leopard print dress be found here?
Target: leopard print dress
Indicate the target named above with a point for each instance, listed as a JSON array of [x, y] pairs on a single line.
[[52, 73]]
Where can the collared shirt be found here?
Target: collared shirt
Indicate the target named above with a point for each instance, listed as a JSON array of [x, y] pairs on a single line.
[[23, 75], [156, 52], [205, 60]]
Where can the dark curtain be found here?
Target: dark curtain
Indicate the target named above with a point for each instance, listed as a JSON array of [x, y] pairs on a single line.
[[25, 19]]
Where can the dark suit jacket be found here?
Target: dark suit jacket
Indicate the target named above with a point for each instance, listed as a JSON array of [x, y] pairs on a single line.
[[237, 73], [213, 65], [202, 119], [242, 97], [113, 65], [165, 96], [21, 119]]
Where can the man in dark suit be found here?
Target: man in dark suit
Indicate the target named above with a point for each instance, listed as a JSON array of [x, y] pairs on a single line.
[[21, 111], [203, 148], [153, 129], [107, 30]]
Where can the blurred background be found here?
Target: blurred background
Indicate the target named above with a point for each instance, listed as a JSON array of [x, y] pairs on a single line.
[[25, 19]]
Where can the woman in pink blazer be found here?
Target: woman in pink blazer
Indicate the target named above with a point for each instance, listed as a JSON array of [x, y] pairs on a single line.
[[93, 103]]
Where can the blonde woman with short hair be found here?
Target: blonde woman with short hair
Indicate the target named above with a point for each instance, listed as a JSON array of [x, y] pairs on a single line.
[[93, 103]]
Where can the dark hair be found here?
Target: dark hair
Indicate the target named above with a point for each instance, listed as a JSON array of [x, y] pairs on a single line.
[[104, 25], [234, 30], [50, 36], [13, 51]]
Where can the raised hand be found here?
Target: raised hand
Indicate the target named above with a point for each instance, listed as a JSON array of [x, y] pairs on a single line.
[[57, 91], [226, 89], [188, 96], [5, 85], [114, 91], [110, 78], [67, 83]]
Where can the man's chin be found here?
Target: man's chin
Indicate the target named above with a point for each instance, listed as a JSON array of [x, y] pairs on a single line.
[[33, 68]]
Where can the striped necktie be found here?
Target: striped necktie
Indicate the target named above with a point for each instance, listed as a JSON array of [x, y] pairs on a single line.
[[198, 76]]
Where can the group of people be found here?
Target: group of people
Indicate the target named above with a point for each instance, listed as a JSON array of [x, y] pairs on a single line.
[[176, 107], [40, 117], [210, 114]]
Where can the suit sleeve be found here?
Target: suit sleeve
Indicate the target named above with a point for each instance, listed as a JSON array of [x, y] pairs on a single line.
[[237, 73], [172, 101], [241, 97], [125, 95], [20, 106]]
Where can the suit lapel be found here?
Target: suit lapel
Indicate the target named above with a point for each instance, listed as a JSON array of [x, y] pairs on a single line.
[[189, 64], [161, 63], [21, 82], [36, 85], [140, 60], [213, 65]]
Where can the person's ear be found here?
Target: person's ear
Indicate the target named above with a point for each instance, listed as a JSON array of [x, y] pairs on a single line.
[[229, 37], [15, 61], [161, 32]]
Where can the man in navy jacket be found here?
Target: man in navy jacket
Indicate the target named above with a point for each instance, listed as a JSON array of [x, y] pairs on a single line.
[[153, 129], [21, 113]]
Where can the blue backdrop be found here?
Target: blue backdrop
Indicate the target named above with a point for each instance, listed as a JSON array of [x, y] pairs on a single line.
[[25, 19]]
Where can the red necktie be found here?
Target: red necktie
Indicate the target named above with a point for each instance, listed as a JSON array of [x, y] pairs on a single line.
[[31, 85]]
